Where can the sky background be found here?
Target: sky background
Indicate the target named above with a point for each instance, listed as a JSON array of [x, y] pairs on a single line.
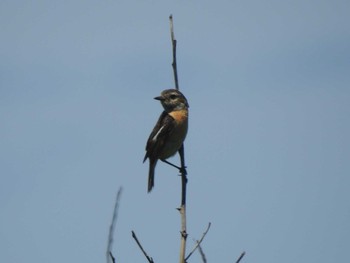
[[268, 149]]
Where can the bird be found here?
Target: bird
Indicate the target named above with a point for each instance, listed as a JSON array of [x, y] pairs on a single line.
[[169, 133]]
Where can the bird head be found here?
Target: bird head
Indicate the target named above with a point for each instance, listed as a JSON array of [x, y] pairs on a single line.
[[172, 99]]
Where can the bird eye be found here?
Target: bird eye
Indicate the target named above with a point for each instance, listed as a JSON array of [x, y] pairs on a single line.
[[173, 96]]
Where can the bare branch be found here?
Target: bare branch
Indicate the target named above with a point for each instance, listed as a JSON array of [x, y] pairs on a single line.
[[198, 242], [182, 208], [240, 257], [113, 259], [204, 259], [109, 255], [150, 259], [174, 42]]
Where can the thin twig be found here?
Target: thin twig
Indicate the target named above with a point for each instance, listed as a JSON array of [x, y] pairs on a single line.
[[240, 257], [198, 242], [113, 259], [174, 42], [204, 259], [150, 259], [112, 227]]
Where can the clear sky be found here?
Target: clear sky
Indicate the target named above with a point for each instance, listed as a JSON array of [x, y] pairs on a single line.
[[268, 150]]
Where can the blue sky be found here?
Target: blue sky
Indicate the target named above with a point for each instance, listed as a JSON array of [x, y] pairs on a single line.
[[268, 148]]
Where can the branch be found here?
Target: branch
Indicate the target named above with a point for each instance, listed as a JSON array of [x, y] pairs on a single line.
[[202, 254], [240, 257], [150, 259], [113, 258], [182, 208], [109, 254], [174, 42], [198, 242]]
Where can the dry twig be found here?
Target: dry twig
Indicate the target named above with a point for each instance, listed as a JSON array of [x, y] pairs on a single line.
[[109, 254], [198, 243], [240, 257], [150, 259], [174, 42], [113, 258], [204, 259]]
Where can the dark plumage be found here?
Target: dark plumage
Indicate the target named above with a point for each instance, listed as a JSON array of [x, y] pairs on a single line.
[[169, 132]]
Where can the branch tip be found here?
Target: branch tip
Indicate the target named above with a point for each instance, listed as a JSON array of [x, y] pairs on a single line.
[[240, 257], [112, 226], [150, 259]]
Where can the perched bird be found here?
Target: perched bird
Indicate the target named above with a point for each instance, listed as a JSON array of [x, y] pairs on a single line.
[[170, 131]]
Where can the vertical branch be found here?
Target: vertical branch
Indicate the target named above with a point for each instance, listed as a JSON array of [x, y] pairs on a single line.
[[183, 175], [173, 42], [182, 208]]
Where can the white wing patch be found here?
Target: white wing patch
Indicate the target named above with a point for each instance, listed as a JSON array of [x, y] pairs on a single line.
[[156, 136]]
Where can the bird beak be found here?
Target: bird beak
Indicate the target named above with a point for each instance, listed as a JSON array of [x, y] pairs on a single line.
[[161, 98]]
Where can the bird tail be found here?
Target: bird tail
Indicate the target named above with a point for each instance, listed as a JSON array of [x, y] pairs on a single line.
[[152, 166]]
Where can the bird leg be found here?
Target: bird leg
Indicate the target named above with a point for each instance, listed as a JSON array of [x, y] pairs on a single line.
[[182, 170], [182, 159], [171, 164]]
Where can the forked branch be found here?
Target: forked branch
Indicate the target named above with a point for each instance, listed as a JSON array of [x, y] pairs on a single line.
[[198, 243]]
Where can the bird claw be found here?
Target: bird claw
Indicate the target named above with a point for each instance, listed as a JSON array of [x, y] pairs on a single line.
[[183, 171]]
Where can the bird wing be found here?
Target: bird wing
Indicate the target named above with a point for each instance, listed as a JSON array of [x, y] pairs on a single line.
[[159, 135]]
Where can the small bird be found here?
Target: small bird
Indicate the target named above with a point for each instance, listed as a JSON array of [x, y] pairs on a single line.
[[170, 131]]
